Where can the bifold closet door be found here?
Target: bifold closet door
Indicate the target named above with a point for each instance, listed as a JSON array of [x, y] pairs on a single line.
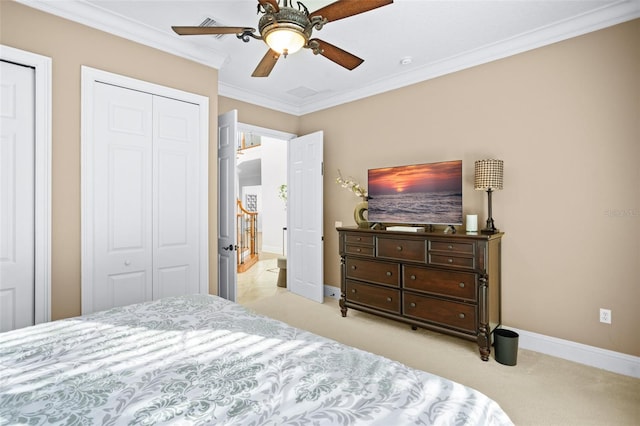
[[122, 194], [175, 202], [145, 196]]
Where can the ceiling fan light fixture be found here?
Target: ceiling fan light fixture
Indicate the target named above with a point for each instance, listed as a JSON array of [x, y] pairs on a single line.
[[285, 39], [286, 29]]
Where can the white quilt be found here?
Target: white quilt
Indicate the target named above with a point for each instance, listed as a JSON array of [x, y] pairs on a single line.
[[203, 360]]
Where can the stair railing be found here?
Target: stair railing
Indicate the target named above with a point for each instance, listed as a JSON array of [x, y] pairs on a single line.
[[247, 229]]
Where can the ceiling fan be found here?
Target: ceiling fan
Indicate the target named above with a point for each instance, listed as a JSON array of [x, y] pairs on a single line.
[[286, 29]]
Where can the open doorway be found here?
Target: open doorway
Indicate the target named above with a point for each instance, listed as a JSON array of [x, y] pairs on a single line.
[[304, 210], [261, 194]]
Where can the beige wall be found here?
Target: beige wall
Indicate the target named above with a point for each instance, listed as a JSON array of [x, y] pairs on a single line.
[[564, 118], [566, 121], [71, 45]]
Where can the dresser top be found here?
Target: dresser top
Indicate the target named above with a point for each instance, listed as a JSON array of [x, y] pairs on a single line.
[[435, 234]]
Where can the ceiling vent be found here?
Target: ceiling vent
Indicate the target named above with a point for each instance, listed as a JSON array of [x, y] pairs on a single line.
[[302, 92], [210, 22]]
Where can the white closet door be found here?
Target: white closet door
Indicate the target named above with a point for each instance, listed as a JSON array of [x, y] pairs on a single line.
[[176, 201], [122, 197], [16, 196]]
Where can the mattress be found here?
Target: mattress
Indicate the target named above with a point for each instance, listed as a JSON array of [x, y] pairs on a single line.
[[200, 359]]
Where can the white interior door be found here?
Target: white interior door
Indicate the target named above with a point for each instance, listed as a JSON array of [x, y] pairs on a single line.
[[227, 239], [122, 194], [17, 234], [176, 205], [305, 215]]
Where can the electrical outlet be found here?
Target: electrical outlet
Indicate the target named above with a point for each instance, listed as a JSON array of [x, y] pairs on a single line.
[[605, 316]]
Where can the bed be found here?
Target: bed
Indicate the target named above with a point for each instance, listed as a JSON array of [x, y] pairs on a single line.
[[201, 359]]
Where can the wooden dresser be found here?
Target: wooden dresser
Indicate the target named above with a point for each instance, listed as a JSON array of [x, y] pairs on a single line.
[[444, 282]]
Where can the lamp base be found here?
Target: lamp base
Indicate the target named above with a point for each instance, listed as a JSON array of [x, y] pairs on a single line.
[[491, 227], [489, 231]]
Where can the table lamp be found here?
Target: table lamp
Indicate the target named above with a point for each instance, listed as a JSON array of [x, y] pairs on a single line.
[[488, 177]]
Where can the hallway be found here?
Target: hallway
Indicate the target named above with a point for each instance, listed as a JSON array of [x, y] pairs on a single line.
[[260, 280]]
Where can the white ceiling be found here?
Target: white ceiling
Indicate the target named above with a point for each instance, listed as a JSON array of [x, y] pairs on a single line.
[[440, 37]]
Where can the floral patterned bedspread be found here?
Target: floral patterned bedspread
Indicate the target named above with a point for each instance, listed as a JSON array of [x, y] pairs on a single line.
[[204, 360]]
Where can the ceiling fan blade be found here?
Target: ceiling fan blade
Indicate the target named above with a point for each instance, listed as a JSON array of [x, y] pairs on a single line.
[[273, 3], [337, 55], [211, 30], [266, 64], [345, 8]]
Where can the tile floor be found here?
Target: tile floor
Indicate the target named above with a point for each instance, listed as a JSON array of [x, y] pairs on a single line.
[[260, 280]]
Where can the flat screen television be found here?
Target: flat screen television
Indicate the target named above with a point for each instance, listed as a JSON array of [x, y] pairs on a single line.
[[419, 194]]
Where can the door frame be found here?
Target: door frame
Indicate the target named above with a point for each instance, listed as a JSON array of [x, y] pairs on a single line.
[[263, 131], [42, 190], [231, 186], [88, 78]]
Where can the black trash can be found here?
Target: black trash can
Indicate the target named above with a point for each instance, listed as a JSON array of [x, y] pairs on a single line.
[[506, 346]]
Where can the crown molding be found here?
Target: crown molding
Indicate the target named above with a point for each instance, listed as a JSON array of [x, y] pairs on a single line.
[[93, 16], [604, 17], [240, 94]]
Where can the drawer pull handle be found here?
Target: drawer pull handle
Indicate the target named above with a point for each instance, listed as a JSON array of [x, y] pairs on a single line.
[[413, 277], [450, 247], [412, 304], [461, 285], [358, 250], [353, 290], [359, 239], [450, 260], [399, 248], [461, 316], [389, 273], [388, 299], [353, 267]]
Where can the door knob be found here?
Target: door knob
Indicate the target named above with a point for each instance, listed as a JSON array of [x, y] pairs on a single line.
[[228, 248]]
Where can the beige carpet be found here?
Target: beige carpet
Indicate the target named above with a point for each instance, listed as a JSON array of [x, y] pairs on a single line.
[[539, 390]]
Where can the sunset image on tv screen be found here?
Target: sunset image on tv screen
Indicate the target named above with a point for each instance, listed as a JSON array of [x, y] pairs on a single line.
[[416, 194]]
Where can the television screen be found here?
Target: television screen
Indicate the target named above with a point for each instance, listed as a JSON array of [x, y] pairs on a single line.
[[416, 194]]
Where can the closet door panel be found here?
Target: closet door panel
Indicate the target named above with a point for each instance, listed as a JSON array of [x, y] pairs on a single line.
[[122, 194], [17, 199], [176, 206]]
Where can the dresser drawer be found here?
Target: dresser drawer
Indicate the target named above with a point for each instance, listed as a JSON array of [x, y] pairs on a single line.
[[360, 250], [446, 283], [400, 249], [382, 298], [354, 238], [452, 247], [453, 261], [376, 272], [459, 315]]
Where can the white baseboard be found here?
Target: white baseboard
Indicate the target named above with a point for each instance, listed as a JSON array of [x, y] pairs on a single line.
[[605, 359], [592, 356], [272, 249], [330, 291]]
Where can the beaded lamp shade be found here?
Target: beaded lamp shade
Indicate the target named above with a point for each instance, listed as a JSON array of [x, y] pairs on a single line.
[[488, 174]]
